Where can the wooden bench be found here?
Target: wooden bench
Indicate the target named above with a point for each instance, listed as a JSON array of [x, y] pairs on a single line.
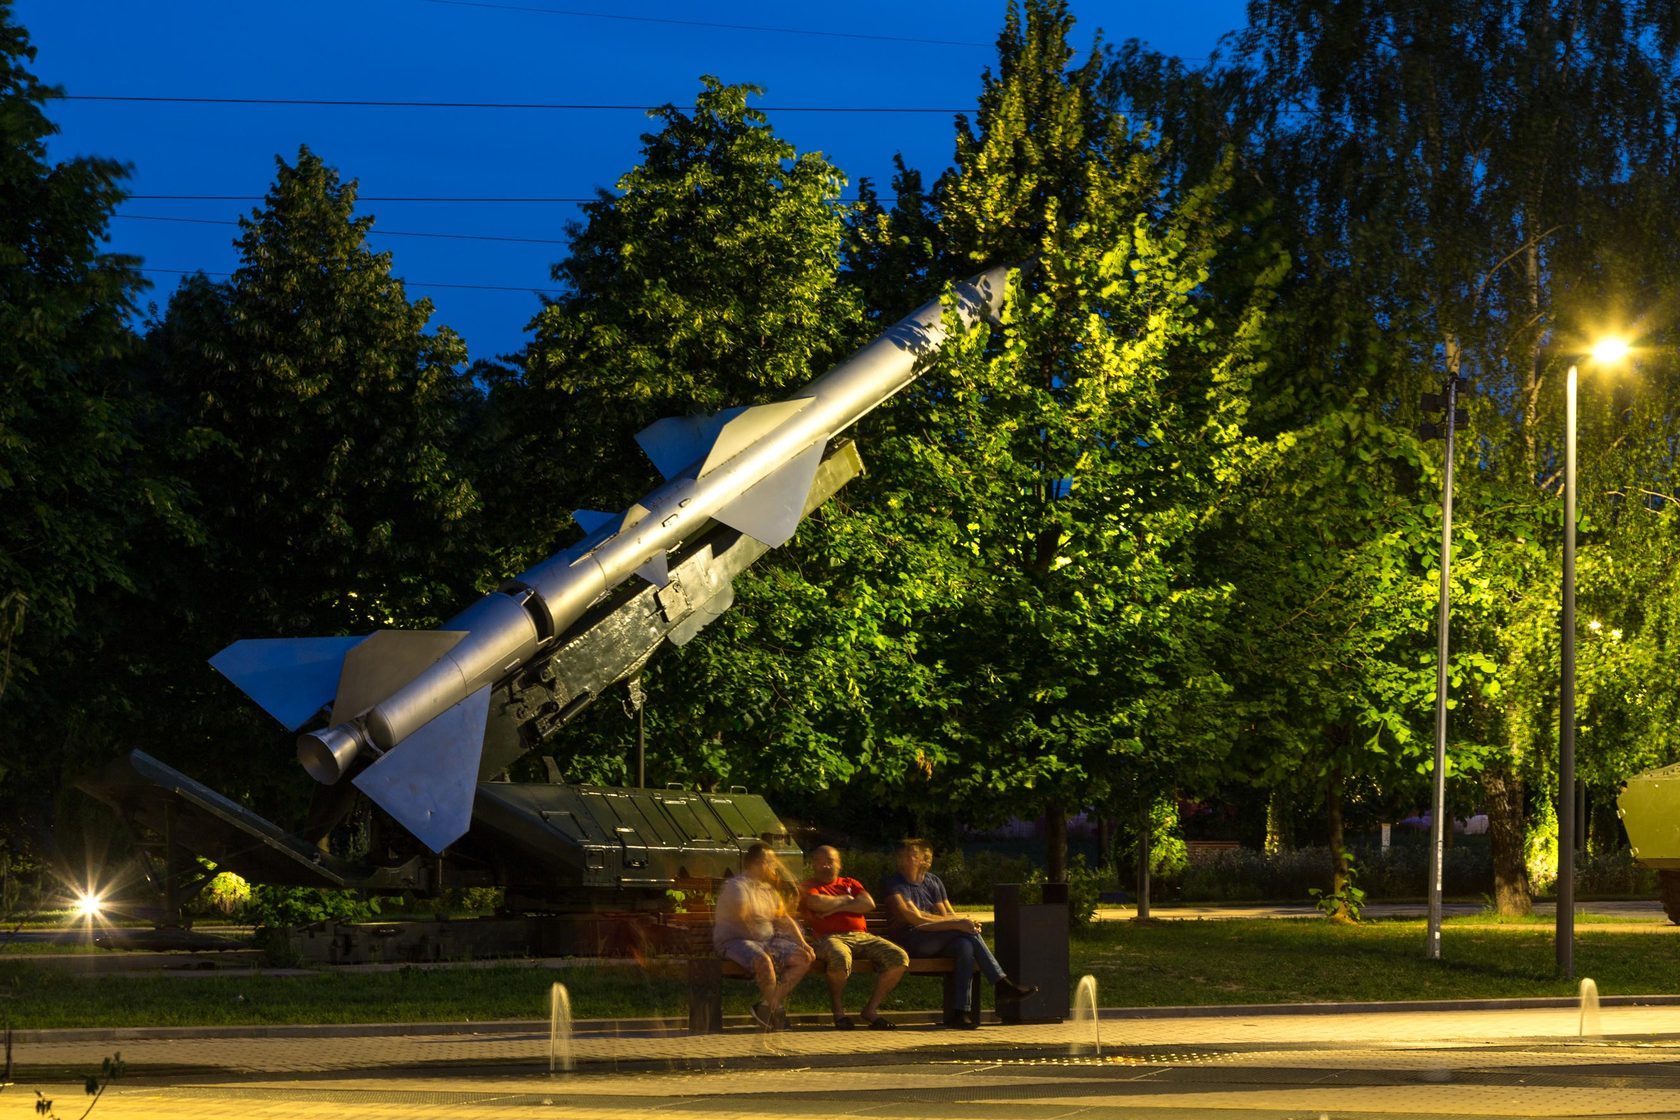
[[706, 974], [1196, 851]]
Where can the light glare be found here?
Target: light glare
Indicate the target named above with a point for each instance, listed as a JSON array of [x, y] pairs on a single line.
[[89, 906], [1609, 351]]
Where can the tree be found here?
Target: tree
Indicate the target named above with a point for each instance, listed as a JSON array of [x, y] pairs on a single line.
[[1062, 472], [1460, 180], [709, 280], [317, 422], [74, 487]]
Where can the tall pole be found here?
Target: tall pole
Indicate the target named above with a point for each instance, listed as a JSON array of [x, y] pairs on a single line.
[[1566, 707], [1438, 793]]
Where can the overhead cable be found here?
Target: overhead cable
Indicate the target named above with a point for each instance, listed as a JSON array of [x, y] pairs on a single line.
[[398, 279], [577, 14]]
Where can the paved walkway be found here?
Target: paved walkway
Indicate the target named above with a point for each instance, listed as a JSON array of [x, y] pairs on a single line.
[[1458, 1063]]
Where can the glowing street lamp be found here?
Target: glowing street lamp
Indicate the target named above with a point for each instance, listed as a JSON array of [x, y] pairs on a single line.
[[89, 906], [1606, 352]]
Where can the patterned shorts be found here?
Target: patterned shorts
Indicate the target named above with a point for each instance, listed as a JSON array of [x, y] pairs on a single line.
[[837, 950], [782, 950]]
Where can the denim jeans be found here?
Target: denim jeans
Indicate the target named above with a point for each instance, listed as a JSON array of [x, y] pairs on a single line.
[[968, 950]]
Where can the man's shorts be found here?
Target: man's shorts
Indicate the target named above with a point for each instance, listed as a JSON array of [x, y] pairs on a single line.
[[781, 949], [837, 950]]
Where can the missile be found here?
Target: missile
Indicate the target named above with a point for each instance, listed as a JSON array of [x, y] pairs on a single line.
[[416, 702]]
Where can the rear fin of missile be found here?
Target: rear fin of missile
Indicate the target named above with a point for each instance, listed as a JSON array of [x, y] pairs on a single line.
[[678, 442], [384, 663], [747, 427], [428, 781], [702, 616], [291, 679], [771, 510], [589, 520], [656, 571]]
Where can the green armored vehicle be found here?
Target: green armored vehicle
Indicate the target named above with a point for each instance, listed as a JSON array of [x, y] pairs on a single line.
[[1650, 811]]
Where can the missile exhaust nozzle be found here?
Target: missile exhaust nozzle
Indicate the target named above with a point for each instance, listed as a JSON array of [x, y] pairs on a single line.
[[327, 754]]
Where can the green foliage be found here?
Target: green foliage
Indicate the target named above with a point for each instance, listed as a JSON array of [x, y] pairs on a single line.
[[227, 894], [1047, 487], [76, 487], [318, 423], [283, 908], [711, 280], [1401, 872], [1345, 902], [1085, 886]]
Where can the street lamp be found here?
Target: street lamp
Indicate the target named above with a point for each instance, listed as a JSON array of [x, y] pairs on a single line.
[[1606, 352]]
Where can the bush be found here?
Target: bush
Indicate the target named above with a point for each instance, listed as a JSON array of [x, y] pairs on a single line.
[[1243, 875], [225, 895], [1085, 887], [1613, 872]]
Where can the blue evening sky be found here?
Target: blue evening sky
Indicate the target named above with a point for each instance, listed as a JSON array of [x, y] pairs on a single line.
[[637, 53]]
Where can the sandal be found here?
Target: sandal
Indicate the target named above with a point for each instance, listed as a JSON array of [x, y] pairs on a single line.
[[844, 1023], [881, 1024]]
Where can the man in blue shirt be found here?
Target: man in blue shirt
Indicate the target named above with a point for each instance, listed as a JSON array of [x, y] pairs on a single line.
[[920, 918]]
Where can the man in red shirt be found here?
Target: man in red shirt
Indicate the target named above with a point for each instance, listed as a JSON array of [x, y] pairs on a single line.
[[834, 906]]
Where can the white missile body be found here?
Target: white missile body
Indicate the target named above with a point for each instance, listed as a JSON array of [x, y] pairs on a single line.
[[419, 700]]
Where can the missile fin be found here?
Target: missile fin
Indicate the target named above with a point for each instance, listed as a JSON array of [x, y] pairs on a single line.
[[656, 571], [678, 442], [590, 520], [745, 428], [384, 663], [428, 781], [772, 509], [703, 616], [289, 678]]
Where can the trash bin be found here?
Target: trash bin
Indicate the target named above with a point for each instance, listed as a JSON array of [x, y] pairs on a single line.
[[1032, 947]]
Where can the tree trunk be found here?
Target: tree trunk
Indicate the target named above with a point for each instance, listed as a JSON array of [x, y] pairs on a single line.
[[1146, 841], [1055, 844], [1103, 840], [1338, 849], [1277, 823], [1504, 793]]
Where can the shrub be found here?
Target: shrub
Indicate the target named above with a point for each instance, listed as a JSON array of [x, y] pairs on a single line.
[[1085, 887], [226, 894], [1613, 872], [1243, 875]]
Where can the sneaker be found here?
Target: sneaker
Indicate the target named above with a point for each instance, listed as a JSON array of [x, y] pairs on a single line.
[[1008, 989], [763, 1016]]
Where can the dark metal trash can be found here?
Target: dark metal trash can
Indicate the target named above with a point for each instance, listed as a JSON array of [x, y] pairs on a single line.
[[1032, 947]]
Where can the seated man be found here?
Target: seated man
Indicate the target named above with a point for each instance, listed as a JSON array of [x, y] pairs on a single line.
[[920, 918], [834, 907], [755, 931]]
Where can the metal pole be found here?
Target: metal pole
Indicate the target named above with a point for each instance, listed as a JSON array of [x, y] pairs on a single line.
[[1566, 707], [638, 700], [1438, 793]]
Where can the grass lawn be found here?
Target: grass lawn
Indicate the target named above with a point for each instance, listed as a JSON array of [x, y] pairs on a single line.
[[1164, 963]]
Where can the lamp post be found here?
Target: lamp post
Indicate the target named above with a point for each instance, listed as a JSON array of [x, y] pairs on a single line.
[[1453, 418], [1604, 353]]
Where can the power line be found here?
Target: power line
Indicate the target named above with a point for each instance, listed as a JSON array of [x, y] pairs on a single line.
[[371, 232], [413, 198], [702, 23], [359, 198], [562, 106], [400, 280]]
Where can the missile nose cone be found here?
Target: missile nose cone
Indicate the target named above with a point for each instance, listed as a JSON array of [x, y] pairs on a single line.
[[326, 754]]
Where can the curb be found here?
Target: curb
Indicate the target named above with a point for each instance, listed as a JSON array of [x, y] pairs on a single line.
[[675, 1026]]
